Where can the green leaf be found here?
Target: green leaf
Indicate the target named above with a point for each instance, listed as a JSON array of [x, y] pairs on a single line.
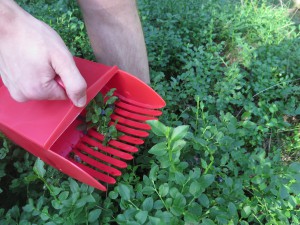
[[164, 162], [3, 152], [108, 112], [28, 208], [297, 111], [63, 196], [204, 201], [95, 118], [124, 191], [111, 100], [178, 145], [110, 92], [232, 209], [292, 201], [273, 108], [195, 189], [113, 194], [176, 210], [190, 218], [141, 216], [74, 199], [206, 180], [158, 204], [80, 203], [14, 212], [207, 222], [179, 200], [195, 173], [203, 163], [201, 105], [148, 204], [246, 116], [74, 185], [224, 159], [158, 128], [168, 202], [45, 215], [99, 98], [84, 188], [180, 178], [246, 211], [179, 132], [294, 167], [153, 172], [94, 215], [56, 220], [155, 220], [159, 149], [174, 192], [295, 188], [121, 219], [39, 167], [148, 190], [163, 189], [283, 192], [165, 216], [84, 200], [56, 190], [56, 204], [30, 178], [195, 208], [40, 203]]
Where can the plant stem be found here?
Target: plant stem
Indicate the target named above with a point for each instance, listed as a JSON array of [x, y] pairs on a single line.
[[49, 188], [154, 186]]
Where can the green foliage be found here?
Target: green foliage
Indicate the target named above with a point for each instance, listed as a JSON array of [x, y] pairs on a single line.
[[166, 195], [226, 149], [52, 199], [98, 113], [4, 147]]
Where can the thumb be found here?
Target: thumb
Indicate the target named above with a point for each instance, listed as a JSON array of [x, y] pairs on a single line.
[[73, 82]]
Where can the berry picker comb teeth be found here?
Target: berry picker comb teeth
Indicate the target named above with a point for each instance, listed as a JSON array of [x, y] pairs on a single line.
[[49, 129]]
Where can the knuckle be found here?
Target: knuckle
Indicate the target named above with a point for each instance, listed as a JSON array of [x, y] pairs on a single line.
[[33, 92]]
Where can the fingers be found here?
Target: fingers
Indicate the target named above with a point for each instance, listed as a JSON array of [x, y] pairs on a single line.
[[50, 91], [17, 96], [32, 57], [53, 91], [74, 83], [37, 82]]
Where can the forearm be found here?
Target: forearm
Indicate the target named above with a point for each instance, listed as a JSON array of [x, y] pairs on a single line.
[[116, 34], [8, 14]]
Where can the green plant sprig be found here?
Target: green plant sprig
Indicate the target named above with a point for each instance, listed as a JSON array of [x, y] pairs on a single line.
[[98, 114]]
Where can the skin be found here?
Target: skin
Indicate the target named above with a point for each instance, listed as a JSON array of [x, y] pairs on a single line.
[[116, 35], [32, 54]]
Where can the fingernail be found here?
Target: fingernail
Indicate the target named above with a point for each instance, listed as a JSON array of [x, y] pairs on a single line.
[[81, 102]]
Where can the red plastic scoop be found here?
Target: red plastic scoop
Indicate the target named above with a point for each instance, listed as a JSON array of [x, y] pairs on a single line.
[[49, 129]]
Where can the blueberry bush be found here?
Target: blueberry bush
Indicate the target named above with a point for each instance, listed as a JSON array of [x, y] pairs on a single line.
[[226, 149]]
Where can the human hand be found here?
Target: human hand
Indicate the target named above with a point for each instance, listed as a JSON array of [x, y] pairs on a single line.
[[32, 55]]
